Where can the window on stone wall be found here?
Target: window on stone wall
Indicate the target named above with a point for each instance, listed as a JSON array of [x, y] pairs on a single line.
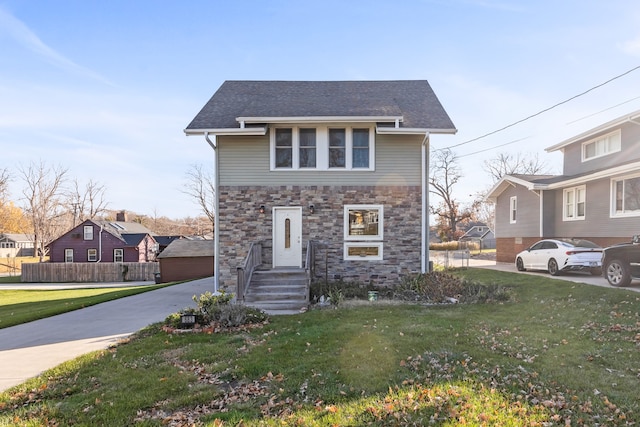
[[363, 232]]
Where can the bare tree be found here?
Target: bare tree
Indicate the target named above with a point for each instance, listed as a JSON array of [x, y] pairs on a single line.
[[88, 202], [200, 187], [5, 177], [43, 194], [509, 164], [444, 175]]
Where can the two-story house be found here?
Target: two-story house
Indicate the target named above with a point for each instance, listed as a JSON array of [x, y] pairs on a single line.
[[596, 198], [341, 165], [105, 241]]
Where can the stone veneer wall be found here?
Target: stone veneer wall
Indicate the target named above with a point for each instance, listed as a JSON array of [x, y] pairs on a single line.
[[241, 224]]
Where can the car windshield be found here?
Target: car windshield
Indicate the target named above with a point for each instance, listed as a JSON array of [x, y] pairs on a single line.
[[579, 243]]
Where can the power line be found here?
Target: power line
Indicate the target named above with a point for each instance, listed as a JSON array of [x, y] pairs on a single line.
[[546, 109], [495, 146]]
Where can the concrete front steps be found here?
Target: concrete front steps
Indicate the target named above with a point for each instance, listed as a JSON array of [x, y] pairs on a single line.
[[278, 291]]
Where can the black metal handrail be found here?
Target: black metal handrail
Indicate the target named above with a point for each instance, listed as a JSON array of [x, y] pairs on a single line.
[[253, 260]]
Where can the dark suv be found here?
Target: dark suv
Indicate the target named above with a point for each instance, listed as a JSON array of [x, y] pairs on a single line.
[[621, 263]]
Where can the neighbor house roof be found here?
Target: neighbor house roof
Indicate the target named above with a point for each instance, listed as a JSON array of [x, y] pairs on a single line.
[[183, 248], [402, 104]]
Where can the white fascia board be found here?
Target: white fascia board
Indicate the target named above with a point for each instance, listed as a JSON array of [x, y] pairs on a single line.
[[320, 119], [592, 132], [412, 131], [509, 180], [618, 170], [228, 131]]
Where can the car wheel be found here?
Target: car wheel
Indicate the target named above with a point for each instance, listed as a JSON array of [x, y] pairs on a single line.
[[520, 264], [552, 267], [617, 273], [596, 271]]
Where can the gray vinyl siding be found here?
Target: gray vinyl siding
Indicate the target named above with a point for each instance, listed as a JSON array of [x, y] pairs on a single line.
[[244, 161], [549, 209], [597, 222], [630, 150], [527, 219]]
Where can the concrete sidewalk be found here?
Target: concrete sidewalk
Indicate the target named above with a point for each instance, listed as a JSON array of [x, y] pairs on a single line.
[[29, 349]]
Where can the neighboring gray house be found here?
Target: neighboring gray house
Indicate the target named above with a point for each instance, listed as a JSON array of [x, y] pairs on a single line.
[[596, 198], [480, 233], [327, 176], [16, 245]]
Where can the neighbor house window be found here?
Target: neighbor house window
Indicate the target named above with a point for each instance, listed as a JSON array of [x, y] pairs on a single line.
[[625, 194], [322, 148], [574, 203], [601, 146], [68, 255], [363, 232], [513, 209], [88, 232], [118, 255], [92, 255]]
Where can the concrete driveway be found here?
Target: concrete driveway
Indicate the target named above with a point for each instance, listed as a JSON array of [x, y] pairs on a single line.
[[29, 349]]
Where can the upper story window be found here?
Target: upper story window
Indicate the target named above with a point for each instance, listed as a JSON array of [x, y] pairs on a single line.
[[574, 203], [88, 232], [625, 196], [322, 148], [601, 146], [513, 209]]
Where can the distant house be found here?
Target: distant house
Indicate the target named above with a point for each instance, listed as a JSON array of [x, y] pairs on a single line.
[[105, 241], [186, 260], [332, 173], [16, 245], [596, 198], [480, 233]]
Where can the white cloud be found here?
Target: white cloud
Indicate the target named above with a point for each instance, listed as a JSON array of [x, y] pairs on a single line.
[[23, 35], [631, 47]]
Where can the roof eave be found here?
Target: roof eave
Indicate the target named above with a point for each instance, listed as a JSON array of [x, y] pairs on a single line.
[[252, 131], [320, 119], [414, 131]]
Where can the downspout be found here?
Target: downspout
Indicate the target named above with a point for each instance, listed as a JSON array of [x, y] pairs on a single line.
[[216, 238], [541, 214], [100, 244], [424, 250]]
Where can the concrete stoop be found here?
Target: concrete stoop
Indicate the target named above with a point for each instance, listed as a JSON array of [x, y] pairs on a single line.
[[278, 291]]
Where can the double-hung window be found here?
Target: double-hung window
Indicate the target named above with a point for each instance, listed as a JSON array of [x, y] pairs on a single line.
[[574, 203], [88, 232], [322, 148], [363, 232], [625, 196], [118, 255], [513, 209], [92, 255], [68, 255]]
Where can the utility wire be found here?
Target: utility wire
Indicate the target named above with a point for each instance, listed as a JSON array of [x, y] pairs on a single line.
[[546, 109], [495, 146]]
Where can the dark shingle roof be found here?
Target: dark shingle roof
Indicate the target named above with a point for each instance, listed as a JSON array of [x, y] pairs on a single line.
[[414, 100], [188, 248]]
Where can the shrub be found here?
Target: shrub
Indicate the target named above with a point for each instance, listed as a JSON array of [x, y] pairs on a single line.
[[444, 246]]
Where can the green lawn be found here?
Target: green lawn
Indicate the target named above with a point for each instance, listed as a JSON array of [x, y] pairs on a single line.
[[559, 353], [21, 306]]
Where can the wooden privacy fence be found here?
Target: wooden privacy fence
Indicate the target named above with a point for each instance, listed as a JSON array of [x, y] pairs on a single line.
[[61, 272]]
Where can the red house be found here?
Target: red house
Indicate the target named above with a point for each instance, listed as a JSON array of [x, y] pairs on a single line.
[[105, 241]]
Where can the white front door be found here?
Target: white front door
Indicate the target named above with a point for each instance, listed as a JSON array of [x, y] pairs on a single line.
[[287, 237]]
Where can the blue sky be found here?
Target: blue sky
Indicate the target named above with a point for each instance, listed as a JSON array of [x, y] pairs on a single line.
[[105, 88]]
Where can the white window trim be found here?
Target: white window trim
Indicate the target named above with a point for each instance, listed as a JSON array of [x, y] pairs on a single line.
[[361, 240], [93, 258], [615, 134], [348, 257], [380, 235], [574, 191], [121, 252], [322, 147], [87, 232], [613, 213], [513, 208], [68, 252]]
